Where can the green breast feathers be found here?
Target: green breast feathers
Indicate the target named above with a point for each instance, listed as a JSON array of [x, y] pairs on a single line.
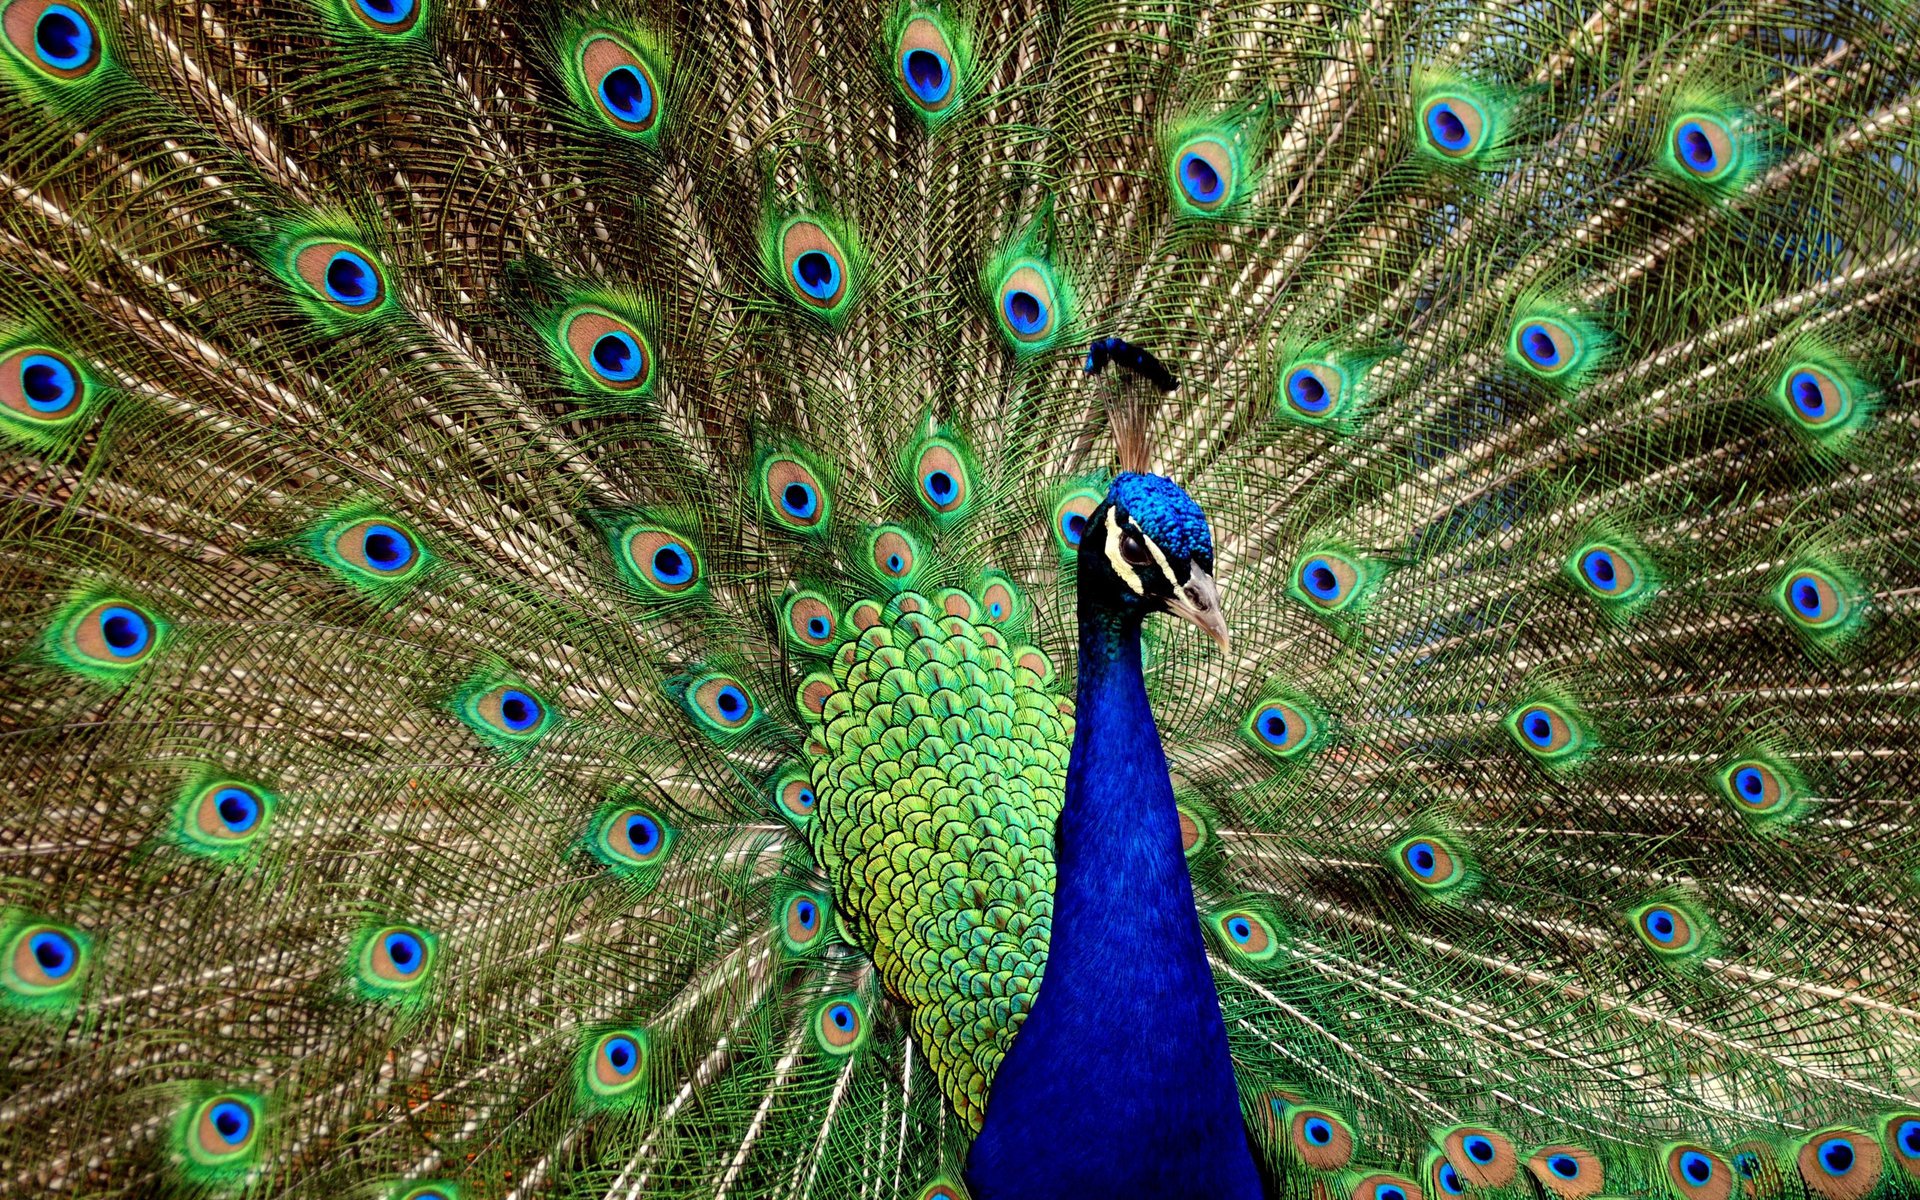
[[939, 751]]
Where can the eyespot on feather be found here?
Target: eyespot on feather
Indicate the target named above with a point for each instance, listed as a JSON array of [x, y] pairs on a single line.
[[114, 634], [1547, 346], [1028, 304], [223, 1130], [840, 1026], [1840, 1164], [1568, 1172], [387, 17], [893, 553], [814, 267], [1279, 727], [612, 1067], [1070, 518], [1454, 125], [794, 495], [941, 1189], [1816, 398], [809, 621], [1312, 391], [60, 39], [44, 963], [1206, 174], [1381, 1185], [1327, 580], [1545, 731], [1430, 863], [1319, 1139], [804, 919], [1606, 571], [1902, 1132], [1704, 147], [1441, 1178], [427, 1191], [607, 352], [793, 795], [1193, 831], [628, 835], [1757, 788], [1246, 934], [1696, 1173], [620, 84], [1000, 601], [42, 386], [395, 960], [1669, 928], [722, 703], [508, 711], [1484, 1157], [942, 481], [662, 561], [223, 817], [1813, 598], [340, 274], [926, 67], [379, 547]]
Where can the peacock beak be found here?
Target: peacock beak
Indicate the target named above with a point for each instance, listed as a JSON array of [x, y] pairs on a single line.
[[1198, 600]]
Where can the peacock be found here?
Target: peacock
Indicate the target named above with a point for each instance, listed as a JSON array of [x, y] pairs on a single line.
[[960, 601]]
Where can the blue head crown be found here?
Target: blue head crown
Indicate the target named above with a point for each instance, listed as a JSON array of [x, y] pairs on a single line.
[[1166, 513]]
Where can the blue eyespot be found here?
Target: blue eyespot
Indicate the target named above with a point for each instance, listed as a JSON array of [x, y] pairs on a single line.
[[48, 384], [238, 808], [1478, 1149], [1746, 1164], [1836, 1156], [672, 565], [627, 95], [1537, 343], [1564, 1165], [1446, 128], [1317, 1131], [1750, 785], [1599, 569], [1449, 1180], [1813, 598], [818, 627], [1388, 1191], [940, 487], [1423, 861], [807, 913], [1026, 313], [643, 834], [1695, 148], [842, 1017], [386, 12], [1661, 925], [1697, 1167], [816, 274], [1308, 392], [231, 1121], [55, 952], [1538, 729], [1808, 397], [622, 1054], [927, 74], [799, 500], [351, 279], [62, 38], [386, 548], [519, 711], [1320, 580], [125, 632], [1906, 1139], [996, 610], [404, 951], [731, 701], [617, 357], [1201, 179], [1240, 929]]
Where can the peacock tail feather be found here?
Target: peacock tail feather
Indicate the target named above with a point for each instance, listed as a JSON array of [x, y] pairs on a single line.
[[539, 548]]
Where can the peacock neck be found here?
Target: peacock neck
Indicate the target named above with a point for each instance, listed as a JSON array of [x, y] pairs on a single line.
[[1120, 1081]]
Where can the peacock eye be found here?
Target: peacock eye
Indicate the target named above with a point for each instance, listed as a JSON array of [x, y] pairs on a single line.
[[1133, 548]]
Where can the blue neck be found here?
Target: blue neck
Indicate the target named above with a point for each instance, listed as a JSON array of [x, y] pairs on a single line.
[[1119, 1082]]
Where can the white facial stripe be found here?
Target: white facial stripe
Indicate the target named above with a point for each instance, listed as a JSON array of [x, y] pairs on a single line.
[[1121, 566]]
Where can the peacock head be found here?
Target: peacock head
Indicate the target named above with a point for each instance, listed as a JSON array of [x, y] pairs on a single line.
[[1147, 550]]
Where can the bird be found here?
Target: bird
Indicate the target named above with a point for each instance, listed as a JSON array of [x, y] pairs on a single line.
[[915, 598]]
